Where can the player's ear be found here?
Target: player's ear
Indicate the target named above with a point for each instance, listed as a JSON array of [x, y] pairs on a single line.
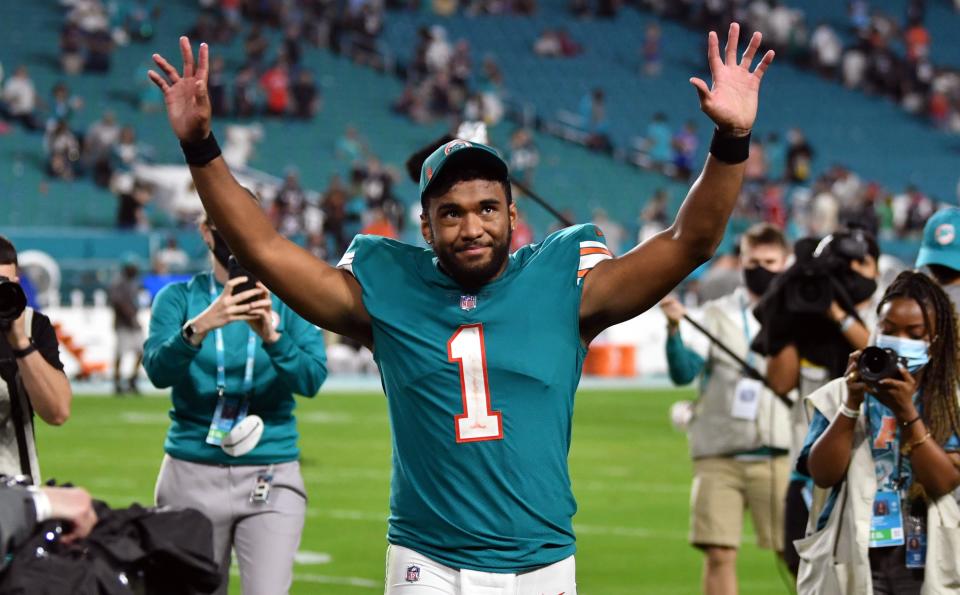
[[425, 228], [512, 209]]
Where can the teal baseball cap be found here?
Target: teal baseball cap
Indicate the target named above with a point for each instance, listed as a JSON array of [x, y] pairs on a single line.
[[461, 153], [941, 240]]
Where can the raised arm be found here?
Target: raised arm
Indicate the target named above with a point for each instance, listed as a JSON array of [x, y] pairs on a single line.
[[621, 288], [324, 295]]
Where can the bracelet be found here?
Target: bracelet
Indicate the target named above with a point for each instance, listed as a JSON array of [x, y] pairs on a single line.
[[22, 353], [848, 412], [907, 424], [909, 448], [846, 323], [730, 149], [201, 152]]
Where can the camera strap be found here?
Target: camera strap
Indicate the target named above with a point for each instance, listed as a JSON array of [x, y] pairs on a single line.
[[747, 368], [20, 417]]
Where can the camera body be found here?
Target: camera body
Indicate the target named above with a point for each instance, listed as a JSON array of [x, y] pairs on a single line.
[[810, 288], [878, 363], [13, 301]]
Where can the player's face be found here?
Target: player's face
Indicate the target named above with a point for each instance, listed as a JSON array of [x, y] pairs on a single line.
[[469, 228]]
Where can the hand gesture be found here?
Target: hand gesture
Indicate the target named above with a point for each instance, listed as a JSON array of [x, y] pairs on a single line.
[[74, 506], [672, 309], [856, 388], [732, 102], [188, 105], [17, 333], [229, 307], [897, 394], [262, 321]]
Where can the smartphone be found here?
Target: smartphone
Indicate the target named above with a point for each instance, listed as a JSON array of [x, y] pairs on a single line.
[[235, 269]]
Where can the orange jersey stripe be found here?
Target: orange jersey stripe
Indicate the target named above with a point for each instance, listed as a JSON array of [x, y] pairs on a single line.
[[586, 251], [583, 272]]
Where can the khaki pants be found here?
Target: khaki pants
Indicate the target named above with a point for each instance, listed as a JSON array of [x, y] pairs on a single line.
[[265, 536], [724, 486]]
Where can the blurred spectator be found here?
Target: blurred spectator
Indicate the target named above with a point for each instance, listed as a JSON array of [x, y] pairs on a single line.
[[461, 66], [306, 97], [317, 245], [439, 52], [71, 48], [255, 46], [99, 50], [172, 256], [911, 211], [63, 152], [276, 86], [350, 147], [98, 145], [685, 144], [653, 216], [380, 225], [593, 114], [63, 105], [659, 141], [756, 166], [20, 99], [245, 93], [556, 43], [125, 301], [826, 48], [289, 203], [217, 87], [334, 205], [650, 52], [523, 156], [132, 198], [799, 156], [126, 152], [917, 41], [776, 156]]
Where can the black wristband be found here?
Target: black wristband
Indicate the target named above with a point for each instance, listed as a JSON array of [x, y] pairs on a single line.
[[907, 424], [21, 353], [730, 149], [201, 152]]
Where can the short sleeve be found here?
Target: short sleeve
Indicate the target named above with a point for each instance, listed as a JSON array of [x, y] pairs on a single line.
[[45, 338], [576, 248]]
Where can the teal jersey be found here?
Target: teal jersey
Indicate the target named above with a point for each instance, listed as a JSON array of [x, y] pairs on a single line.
[[480, 392]]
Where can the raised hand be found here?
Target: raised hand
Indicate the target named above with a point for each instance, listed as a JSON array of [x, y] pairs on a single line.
[[732, 102], [185, 95]]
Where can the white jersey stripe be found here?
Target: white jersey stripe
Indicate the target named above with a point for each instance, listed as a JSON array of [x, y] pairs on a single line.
[[590, 260], [593, 245]]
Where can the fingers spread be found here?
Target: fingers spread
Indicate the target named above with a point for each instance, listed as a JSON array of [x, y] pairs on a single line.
[[203, 66], [713, 52], [167, 69], [733, 37], [764, 64], [702, 89], [187, 52], [751, 50], [158, 80]]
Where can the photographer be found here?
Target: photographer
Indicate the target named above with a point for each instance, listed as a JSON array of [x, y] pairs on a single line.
[[32, 374], [813, 316], [739, 432], [235, 356], [884, 441]]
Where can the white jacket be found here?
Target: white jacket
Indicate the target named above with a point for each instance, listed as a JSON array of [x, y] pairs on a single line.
[[835, 559]]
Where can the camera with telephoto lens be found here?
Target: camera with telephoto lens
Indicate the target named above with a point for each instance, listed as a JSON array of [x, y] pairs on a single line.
[[13, 301], [813, 284], [878, 363]]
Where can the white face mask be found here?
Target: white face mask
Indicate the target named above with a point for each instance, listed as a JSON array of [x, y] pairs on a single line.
[[915, 351]]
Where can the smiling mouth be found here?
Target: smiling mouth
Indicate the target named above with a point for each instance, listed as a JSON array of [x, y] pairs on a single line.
[[473, 249]]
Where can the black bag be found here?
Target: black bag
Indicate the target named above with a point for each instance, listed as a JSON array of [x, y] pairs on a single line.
[[133, 550]]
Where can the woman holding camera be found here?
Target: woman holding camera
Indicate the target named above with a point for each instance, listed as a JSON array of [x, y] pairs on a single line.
[[884, 441], [234, 358]]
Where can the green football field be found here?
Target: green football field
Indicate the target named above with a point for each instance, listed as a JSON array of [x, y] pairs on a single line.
[[630, 470]]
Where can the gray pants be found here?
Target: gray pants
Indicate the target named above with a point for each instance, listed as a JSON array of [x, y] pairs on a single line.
[[265, 536]]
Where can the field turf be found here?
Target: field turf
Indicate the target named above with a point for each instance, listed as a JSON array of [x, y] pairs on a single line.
[[630, 471]]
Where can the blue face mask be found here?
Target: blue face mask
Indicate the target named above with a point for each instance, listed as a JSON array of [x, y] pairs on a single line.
[[913, 350]]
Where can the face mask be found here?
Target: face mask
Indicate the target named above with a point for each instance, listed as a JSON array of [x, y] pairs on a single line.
[[758, 279], [220, 249], [858, 287], [914, 351]]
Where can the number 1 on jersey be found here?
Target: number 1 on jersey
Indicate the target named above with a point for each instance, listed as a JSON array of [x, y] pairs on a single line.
[[477, 422]]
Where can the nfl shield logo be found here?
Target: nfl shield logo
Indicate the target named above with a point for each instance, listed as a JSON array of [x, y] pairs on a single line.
[[468, 302], [413, 573]]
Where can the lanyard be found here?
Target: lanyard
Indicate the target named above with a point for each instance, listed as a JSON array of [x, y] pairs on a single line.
[[221, 366], [746, 330]]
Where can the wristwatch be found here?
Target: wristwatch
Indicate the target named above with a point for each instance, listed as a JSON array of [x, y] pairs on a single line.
[[188, 332]]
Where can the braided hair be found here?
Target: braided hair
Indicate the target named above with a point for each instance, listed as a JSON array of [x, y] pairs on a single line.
[[938, 386]]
